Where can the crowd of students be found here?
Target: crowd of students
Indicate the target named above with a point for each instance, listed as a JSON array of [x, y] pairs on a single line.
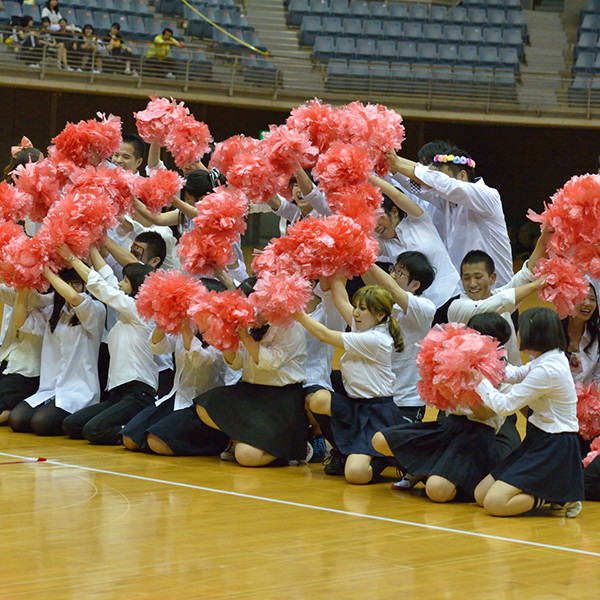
[[81, 361]]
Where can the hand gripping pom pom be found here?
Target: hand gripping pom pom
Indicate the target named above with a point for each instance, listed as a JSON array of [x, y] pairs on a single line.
[[449, 354], [166, 297], [158, 190], [278, 297], [588, 409], [565, 285], [225, 153]]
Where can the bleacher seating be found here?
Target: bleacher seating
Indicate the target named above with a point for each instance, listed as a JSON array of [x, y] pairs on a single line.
[[481, 42], [586, 54]]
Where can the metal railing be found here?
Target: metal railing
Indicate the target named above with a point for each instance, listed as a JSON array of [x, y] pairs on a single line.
[[284, 81]]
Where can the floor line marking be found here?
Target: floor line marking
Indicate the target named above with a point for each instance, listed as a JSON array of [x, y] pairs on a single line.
[[314, 507]]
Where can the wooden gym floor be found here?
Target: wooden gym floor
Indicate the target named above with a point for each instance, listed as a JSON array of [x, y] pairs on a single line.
[[105, 523]]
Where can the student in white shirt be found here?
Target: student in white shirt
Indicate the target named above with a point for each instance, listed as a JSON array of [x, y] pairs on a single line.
[[412, 275], [547, 465], [366, 403], [171, 426], [406, 226], [452, 455], [71, 328], [132, 374], [264, 412], [473, 213]]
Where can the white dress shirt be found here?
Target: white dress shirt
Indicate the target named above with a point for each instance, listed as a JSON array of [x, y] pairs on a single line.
[[544, 385]]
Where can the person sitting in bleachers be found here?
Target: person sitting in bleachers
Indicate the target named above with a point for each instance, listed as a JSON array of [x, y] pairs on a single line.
[[159, 52]]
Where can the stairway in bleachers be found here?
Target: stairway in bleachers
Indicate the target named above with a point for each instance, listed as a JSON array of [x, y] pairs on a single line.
[[544, 55]]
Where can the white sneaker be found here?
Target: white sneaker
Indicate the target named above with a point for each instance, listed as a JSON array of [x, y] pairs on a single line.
[[572, 509], [229, 453], [34, 66], [309, 455], [70, 68], [127, 71], [78, 69], [170, 75], [96, 72], [408, 482]]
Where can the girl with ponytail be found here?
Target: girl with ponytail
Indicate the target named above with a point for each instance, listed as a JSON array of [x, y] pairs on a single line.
[[363, 396]]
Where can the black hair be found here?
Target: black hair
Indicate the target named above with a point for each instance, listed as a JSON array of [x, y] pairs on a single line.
[[86, 26], [454, 168], [136, 273], [58, 301], [199, 183], [387, 205], [118, 26], [167, 29], [155, 246], [592, 325], [247, 286], [25, 19], [213, 285], [56, 9], [478, 256], [136, 142], [419, 269], [22, 158], [45, 20], [430, 149], [492, 324], [540, 330]]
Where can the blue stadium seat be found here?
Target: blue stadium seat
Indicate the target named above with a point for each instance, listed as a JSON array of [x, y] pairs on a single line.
[[378, 10], [398, 10], [153, 27], [359, 74], [336, 75], [106, 6], [167, 7], [12, 10], [400, 76], [366, 49], [380, 76], [421, 73], [324, 47], [457, 15], [513, 38], [103, 22], [492, 36], [515, 18], [240, 20], [393, 30], [489, 56], [123, 21], [138, 28], [222, 17], [427, 53], [442, 78], [319, 7], [359, 8], [473, 35], [259, 70], [512, 4], [463, 77], [387, 50], [372, 28], [407, 51], [438, 14], [252, 38], [339, 8], [85, 17], [453, 33], [413, 31], [505, 78], [418, 12], [587, 42], [468, 55], [32, 10], [483, 77], [296, 10], [345, 48], [432, 32], [509, 59], [352, 27], [448, 53], [171, 24], [496, 17], [332, 26], [584, 63], [309, 29], [477, 16]]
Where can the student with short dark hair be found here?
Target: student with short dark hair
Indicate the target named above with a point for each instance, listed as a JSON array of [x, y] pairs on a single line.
[[546, 468]]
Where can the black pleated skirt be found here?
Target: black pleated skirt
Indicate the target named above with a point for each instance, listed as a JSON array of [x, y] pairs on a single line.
[[264, 416], [546, 465], [460, 450]]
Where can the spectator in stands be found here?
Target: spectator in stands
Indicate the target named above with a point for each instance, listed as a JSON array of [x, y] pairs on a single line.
[[29, 47], [46, 39], [51, 11], [159, 52], [88, 46], [118, 49], [66, 43]]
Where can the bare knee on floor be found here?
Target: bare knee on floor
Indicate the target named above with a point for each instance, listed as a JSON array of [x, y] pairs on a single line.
[[439, 489], [358, 469], [248, 456], [320, 402], [380, 444], [130, 444], [158, 446]]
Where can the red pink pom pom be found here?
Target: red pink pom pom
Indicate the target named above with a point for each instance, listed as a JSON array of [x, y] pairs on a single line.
[[154, 122], [318, 120], [14, 204], [166, 297], [287, 148], [448, 356], [565, 285], [188, 140], [588, 409], [343, 165], [277, 297], [90, 141], [218, 316], [593, 453], [158, 190], [225, 153]]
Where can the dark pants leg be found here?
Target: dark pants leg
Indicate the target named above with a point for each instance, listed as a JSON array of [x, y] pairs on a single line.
[[73, 425], [165, 382], [48, 419], [508, 438], [14, 388], [106, 427], [20, 418]]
